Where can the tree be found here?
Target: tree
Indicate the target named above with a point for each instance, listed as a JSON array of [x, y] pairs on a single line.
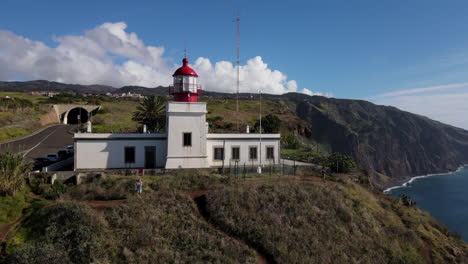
[[340, 163], [13, 170], [270, 124], [152, 113]]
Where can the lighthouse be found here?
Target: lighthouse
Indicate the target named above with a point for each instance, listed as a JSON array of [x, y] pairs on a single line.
[[185, 87], [185, 144], [186, 121]]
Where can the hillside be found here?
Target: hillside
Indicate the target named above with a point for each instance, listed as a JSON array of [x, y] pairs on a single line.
[[197, 217], [384, 140]]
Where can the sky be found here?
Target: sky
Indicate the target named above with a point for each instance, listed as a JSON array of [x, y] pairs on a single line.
[[408, 54]]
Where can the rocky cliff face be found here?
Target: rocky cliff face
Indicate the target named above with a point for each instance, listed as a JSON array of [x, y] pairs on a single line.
[[390, 143]]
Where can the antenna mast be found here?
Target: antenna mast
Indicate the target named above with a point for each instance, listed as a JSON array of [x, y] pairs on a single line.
[[238, 68]]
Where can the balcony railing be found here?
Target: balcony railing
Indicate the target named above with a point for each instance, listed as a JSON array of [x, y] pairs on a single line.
[[184, 88]]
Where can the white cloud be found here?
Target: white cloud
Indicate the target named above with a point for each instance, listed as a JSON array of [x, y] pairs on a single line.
[[92, 58], [445, 103]]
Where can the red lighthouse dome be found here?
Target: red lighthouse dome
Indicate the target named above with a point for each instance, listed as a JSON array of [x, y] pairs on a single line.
[[185, 87], [185, 69]]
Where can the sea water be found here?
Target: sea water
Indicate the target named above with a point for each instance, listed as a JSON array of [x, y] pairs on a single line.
[[445, 196]]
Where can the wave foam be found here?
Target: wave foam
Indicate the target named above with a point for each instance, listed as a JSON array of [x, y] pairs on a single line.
[[423, 176]]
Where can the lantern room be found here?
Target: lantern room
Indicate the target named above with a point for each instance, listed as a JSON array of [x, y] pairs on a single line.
[[185, 87]]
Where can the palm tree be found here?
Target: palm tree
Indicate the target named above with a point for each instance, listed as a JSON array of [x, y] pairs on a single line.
[[152, 113], [13, 170]]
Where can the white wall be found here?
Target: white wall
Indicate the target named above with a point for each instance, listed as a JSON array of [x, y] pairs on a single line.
[[183, 118], [244, 144], [109, 153]]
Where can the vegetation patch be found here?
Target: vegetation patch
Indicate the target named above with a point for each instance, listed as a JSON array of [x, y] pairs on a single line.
[[11, 206], [167, 228], [298, 223]]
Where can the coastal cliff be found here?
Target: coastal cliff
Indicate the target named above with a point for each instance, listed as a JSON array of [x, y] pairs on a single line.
[[390, 143]]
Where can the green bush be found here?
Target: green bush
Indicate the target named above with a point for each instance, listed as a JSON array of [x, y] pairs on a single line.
[[11, 206], [54, 191], [340, 163], [61, 233], [270, 124], [289, 141]]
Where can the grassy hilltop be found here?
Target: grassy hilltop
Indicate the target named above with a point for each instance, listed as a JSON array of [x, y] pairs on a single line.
[[210, 218]]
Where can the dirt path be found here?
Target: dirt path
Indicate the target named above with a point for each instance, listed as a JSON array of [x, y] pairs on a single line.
[[98, 205], [6, 228], [199, 196], [200, 199]]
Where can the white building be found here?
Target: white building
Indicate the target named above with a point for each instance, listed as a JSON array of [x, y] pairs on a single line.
[[187, 142]]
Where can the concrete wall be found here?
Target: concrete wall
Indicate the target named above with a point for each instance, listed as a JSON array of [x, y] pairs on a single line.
[[186, 118], [106, 151], [243, 141], [58, 165]]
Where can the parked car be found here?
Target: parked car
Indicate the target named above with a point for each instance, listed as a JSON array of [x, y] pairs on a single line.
[[71, 149], [62, 154], [41, 162], [53, 157]]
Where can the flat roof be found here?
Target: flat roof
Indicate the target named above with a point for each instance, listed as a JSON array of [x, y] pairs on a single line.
[[242, 136], [120, 136]]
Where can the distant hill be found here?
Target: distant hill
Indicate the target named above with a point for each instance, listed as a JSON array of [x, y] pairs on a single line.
[[41, 85]]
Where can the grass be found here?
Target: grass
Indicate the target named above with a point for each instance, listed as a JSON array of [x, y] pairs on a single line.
[[11, 207], [249, 113], [21, 122], [121, 187], [163, 227], [300, 223], [290, 219], [33, 98], [116, 117]]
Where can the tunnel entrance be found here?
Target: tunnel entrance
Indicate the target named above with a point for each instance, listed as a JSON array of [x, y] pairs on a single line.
[[77, 116]]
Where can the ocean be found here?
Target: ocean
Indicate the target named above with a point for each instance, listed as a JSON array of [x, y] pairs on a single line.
[[445, 196]]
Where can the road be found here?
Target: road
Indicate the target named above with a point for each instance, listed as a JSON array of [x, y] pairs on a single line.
[[50, 140]]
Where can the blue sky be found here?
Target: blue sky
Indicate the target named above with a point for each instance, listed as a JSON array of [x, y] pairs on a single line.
[[349, 49]]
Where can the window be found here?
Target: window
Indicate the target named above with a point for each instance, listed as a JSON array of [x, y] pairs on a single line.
[[129, 154], [235, 153], [253, 153], [218, 153], [187, 139], [270, 153]]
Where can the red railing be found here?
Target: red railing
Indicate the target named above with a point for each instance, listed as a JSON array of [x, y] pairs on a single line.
[[185, 87]]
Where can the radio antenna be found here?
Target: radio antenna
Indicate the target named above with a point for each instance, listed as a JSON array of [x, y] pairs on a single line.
[[238, 68]]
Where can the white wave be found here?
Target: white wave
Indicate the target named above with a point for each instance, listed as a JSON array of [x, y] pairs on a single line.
[[406, 184]]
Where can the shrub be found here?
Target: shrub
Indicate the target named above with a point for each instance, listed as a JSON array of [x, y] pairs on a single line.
[[61, 233], [54, 191], [340, 163], [270, 124], [289, 141], [13, 170], [406, 200]]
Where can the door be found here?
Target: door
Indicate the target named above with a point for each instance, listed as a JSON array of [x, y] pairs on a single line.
[[150, 157]]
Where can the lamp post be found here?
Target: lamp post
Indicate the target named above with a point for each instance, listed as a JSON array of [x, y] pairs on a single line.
[[261, 163]]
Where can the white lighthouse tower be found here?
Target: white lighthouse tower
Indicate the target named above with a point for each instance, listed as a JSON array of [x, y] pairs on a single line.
[[186, 122]]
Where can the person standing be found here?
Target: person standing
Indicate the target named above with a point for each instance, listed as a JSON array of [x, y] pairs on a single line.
[[139, 186]]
